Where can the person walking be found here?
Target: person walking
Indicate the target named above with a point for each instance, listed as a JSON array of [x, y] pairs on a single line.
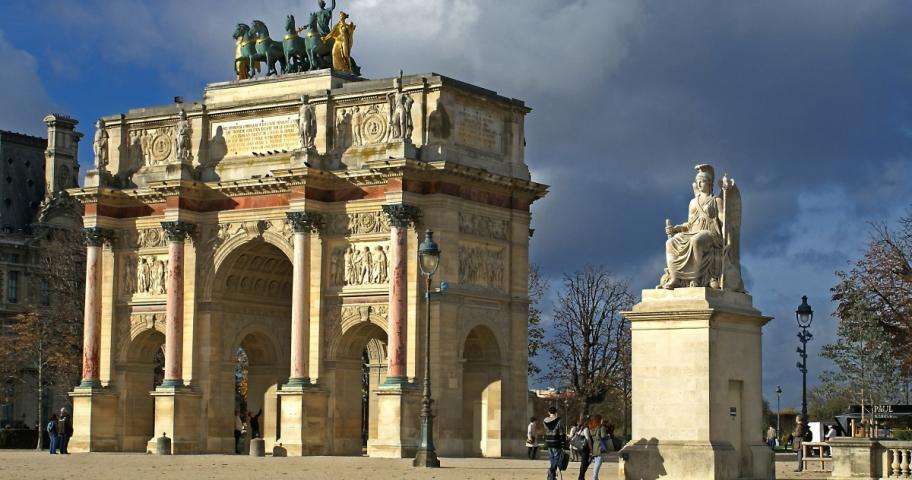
[[52, 433], [582, 442], [602, 443], [255, 425], [771, 436], [64, 430], [798, 441], [574, 453], [532, 438], [238, 428], [555, 440]]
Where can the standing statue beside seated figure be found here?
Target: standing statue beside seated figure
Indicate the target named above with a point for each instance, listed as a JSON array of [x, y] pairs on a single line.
[[342, 36], [704, 251]]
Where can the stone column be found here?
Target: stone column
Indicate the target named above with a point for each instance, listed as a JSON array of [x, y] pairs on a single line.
[[91, 328], [176, 233], [401, 218], [303, 224]]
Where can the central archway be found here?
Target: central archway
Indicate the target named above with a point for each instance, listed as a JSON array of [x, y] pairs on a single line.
[[250, 312]]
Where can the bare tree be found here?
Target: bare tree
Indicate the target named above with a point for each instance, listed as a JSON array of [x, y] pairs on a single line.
[[45, 343], [590, 339], [880, 286]]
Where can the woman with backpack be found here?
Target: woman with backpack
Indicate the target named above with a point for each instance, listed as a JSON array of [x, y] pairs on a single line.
[[52, 433], [602, 443], [581, 441]]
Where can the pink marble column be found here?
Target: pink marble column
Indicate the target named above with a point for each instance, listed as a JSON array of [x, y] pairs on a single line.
[[303, 224], [401, 217], [176, 233], [91, 327]]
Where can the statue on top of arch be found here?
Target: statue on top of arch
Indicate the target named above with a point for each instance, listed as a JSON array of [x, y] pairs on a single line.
[[322, 46], [704, 251]]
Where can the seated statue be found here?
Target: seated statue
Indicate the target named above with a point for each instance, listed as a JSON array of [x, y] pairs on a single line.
[[704, 251]]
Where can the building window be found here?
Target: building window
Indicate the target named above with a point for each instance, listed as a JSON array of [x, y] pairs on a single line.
[[45, 292], [12, 287]]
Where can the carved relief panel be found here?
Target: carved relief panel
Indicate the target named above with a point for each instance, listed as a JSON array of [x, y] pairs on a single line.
[[482, 266], [363, 223], [483, 226], [361, 125], [360, 263], [151, 146], [340, 318], [151, 274]]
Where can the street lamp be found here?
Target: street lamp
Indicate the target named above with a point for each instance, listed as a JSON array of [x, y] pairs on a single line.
[[778, 415], [804, 315], [428, 261]]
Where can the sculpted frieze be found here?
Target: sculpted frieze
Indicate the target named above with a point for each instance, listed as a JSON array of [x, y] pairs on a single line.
[[151, 146], [483, 226], [128, 276], [362, 125], [362, 223], [151, 275], [151, 238], [481, 266], [359, 264], [140, 322]]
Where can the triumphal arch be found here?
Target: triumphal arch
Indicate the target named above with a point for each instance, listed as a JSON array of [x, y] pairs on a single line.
[[281, 217]]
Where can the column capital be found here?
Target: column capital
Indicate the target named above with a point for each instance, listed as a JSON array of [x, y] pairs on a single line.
[[96, 236], [177, 231], [305, 222], [402, 215]]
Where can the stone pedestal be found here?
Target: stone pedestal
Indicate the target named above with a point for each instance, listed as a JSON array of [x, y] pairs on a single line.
[[93, 428], [398, 409], [178, 411], [697, 396], [304, 414], [855, 458]]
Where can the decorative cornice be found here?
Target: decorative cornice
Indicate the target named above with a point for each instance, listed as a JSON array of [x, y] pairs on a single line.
[[305, 222], [96, 236], [402, 216], [177, 231]]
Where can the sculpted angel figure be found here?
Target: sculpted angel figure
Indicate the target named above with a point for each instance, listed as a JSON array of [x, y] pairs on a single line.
[[100, 146], [307, 124], [400, 119], [704, 250], [342, 36], [182, 140]]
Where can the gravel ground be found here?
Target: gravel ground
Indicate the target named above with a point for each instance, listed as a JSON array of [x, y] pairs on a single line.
[[29, 465]]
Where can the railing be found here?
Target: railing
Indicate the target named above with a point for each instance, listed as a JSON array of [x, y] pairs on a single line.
[[897, 458]]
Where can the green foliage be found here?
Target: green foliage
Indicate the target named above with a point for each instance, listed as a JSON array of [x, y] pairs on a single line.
[[538, 287], [902, 434]]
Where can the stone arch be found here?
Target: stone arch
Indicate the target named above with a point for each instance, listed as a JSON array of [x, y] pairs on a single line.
[[482, 377], [239, 241], [137, 376], [346, 370], [246, 313]]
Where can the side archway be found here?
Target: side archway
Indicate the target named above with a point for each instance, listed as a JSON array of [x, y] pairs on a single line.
[[482, 378], [141, 371]]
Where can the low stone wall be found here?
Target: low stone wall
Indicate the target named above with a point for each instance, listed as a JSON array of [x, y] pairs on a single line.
[[863, 458]]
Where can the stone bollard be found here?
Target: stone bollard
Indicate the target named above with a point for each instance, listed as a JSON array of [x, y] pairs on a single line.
[[279, 451], [163, 445], [257, 447]]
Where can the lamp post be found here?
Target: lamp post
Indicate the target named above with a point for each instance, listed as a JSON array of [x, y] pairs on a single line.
[[428, 260], [778, 409], [804, 315]]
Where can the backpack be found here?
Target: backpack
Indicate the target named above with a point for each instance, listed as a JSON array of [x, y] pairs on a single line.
[[52, 427]]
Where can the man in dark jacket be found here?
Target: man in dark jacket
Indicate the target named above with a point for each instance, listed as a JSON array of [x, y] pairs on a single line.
[[64, 430], [554, 441]]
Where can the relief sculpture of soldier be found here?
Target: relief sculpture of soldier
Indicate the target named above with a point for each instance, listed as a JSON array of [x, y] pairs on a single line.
[[400, 117], [704, 250]]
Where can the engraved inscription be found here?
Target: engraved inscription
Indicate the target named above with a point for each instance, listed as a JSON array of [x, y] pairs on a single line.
[[479, 129], [244, 137]]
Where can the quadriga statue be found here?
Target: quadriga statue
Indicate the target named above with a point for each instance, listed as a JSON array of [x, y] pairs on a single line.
[[704, 251]]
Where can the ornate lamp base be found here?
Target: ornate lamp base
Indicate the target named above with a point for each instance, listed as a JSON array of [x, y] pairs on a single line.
[[427, 454]]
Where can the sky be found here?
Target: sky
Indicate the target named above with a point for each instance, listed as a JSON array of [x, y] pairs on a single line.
[[807, 104]]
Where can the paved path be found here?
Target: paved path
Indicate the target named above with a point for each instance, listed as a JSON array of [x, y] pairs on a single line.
[[29, 465]]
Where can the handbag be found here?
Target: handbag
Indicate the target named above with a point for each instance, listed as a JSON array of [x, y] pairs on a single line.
[[564, 460], [578, 442]]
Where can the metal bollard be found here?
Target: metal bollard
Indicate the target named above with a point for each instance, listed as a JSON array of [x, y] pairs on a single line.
[[163, 445], [257, 447], [279, 451]]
